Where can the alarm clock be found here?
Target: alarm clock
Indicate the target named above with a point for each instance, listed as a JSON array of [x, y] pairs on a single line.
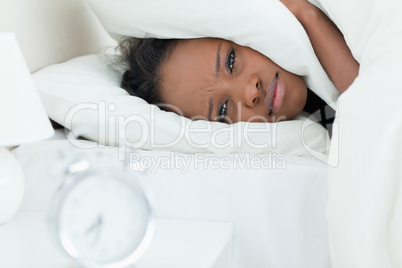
[[101, 217]]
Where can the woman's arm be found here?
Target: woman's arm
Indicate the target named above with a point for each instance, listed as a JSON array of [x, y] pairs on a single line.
[[328, 43]]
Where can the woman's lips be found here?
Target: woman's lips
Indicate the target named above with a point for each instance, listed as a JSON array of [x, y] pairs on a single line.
[[275, 94]]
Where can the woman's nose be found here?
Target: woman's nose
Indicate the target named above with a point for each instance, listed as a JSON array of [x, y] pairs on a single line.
[[251, 91]]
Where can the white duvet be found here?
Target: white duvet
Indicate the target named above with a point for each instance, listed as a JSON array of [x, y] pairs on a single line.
[[365, 189]]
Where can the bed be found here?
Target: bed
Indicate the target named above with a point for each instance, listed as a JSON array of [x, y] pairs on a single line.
[[294, 203]]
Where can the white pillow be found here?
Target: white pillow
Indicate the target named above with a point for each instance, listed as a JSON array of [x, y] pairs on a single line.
[[85, 91], [265, 25]]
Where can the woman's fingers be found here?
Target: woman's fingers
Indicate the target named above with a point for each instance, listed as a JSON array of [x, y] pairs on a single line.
[[297, 7]]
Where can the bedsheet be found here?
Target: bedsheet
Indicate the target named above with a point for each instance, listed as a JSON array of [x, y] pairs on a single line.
[[365, 205], [276, 203]]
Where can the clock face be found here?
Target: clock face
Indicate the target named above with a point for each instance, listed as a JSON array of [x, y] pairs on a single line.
[[103, 219]]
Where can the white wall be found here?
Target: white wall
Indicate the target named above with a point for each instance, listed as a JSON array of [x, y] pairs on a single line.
[[52, 31]]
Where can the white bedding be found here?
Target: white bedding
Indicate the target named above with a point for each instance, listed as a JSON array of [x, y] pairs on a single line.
[[365, 205], [277, 209], [85, 91]]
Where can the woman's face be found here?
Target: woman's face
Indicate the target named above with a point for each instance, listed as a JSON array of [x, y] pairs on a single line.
[[218, 80]]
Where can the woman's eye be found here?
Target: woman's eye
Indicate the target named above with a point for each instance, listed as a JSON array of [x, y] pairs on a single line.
[[222, 112], [231, 59]]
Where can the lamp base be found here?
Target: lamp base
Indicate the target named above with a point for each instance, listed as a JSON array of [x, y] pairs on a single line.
[[11, 185]]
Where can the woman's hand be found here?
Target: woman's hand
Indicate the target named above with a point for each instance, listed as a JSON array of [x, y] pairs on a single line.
[[328, 43], [299, 7]]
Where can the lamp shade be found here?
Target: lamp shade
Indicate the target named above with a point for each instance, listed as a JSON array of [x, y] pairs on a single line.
[[22, 116]]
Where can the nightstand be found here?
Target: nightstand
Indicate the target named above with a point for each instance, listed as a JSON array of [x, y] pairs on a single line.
[[25, 242]]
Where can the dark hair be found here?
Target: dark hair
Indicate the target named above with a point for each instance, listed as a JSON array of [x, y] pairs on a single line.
[[143, 59]]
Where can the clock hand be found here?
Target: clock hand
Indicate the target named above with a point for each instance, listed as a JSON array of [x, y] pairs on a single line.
[[97, 232], [97, 226], [94, 225]]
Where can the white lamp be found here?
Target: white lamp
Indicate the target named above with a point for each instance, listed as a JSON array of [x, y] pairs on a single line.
[[22, 119]]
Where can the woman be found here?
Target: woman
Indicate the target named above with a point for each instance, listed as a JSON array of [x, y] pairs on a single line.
[[218, 80]]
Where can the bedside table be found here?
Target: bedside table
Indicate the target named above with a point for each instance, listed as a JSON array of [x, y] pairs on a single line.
[[25, 242]]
